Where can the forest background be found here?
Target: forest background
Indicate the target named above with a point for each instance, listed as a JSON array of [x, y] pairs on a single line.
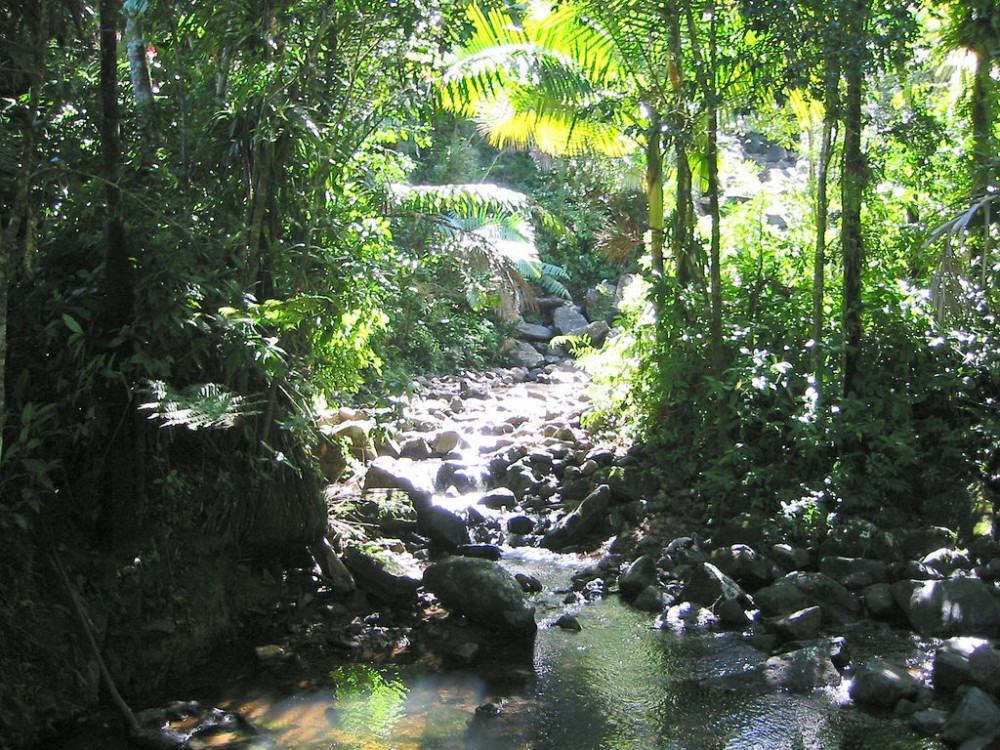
[[218, 219]]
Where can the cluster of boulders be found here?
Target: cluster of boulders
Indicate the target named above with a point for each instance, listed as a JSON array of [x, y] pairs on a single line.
[[530, 475], [547, 338], [789, 600]]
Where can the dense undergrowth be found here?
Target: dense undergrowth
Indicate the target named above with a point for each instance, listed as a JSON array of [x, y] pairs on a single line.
[[266, 214]]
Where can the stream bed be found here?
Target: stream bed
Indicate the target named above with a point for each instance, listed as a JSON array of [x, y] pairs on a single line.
[[626, 680], [620, 683]]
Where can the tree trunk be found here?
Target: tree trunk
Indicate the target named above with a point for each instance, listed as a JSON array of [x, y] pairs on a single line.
[[853, 182], [681, 239], [831, 114], [717, 348], [142, 88], [654, 193], [984, 145], [119, 471]]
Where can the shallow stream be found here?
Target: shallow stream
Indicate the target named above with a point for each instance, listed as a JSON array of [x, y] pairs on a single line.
[[625, 681], [621, 683]]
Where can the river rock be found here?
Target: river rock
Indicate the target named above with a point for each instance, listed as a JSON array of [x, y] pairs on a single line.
[[929, 722], [742, 563], [415, 447], [520, 524], [800, 671], [596, 333], [501, 497], [484, 593], [483, 551], [389, 473], [789, 558], [650, 599], [534, 332], [521, 354], [382, 573], [960, 606], [567, 318], [568, 622], [800, 590], [879, 601], [574, 527], [460, 477], [945, 561], [880, 684], [188, 724], [445, 442], [599, 302], [976, 716], [966, 661], [443, 527], [389, 509], [637, 576], [803, 625], [709, 586], [854, 572]]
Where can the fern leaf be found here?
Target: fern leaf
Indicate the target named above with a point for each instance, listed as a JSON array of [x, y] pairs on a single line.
[[199, 406]]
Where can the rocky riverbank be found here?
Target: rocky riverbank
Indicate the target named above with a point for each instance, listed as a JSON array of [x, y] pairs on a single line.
[[475, 466], [481, 464]]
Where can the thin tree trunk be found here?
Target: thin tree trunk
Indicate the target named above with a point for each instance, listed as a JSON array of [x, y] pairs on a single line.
[[118, 483], [680, 241], [853, 182], [717, 348], [983, 144], [654, 193], [142, 88], [828, 138]]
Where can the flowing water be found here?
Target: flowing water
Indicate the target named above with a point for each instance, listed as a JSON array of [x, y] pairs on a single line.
[[621, 683]]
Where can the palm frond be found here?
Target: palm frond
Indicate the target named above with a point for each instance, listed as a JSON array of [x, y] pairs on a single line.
[[199, 406], [550, 83]]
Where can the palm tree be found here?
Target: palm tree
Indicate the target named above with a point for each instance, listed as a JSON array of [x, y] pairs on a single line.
[[571, 79]]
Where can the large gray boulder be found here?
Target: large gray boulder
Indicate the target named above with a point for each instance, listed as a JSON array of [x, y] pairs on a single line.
[[976, 716], [743, 564], [534, 332], [880, 684], [966, 661], [384, 574], [800, 590], [444, 528], [567, 319], [960, 606], [522, 354], [574, 527], [637, 576], [397, 474], [854, 572], [596, 333], [484, 593], [710, 587]]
